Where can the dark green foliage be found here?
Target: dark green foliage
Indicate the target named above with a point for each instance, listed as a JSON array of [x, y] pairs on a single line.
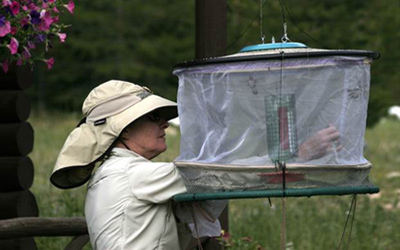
[[141, 41], [137, 41], [333, 24]]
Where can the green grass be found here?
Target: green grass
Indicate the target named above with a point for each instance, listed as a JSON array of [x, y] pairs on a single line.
[[51, 130], [311, 223]]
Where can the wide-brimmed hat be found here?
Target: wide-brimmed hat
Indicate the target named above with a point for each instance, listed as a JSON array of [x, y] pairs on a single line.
[[108, 109]]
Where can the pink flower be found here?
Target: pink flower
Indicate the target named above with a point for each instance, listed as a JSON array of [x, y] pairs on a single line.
[[25, 21], [46, 20], [15, 7], [31, 45], [247, 238], [259, 247], [25, 53], [13, 30], [13, 46], [226, 236], [5, 29], [32, 6], [70, 6], [62, 36], [6, 3], [49, 62], [19, 62], [56, 10], [4, 65]]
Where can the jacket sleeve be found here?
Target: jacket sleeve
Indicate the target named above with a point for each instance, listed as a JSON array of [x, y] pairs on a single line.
[[155, 182]]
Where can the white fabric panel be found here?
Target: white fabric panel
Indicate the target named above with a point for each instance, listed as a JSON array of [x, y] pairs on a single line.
[[222, 107]]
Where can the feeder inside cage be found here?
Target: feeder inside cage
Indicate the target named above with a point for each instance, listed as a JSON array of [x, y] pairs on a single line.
[[244, 116]]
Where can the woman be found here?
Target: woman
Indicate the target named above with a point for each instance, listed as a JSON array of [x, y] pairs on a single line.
[[128, 202]]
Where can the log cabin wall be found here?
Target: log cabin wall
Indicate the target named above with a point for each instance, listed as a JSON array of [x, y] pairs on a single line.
[[16, 142]]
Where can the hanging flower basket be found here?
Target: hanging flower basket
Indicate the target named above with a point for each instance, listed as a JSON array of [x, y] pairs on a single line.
[[27, 26]]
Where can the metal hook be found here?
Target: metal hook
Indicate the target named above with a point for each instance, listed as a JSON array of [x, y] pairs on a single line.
[[285, 37]]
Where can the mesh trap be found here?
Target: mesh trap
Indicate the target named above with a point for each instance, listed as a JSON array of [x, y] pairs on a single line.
[[246, 115]]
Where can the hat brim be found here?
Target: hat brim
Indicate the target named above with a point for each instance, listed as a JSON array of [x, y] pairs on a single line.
[[87, 143]]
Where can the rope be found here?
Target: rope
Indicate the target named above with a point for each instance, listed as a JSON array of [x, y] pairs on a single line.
[[259, 15], [301, 30], [261, 23], [283, 227], [285, 37], [352, 213], [245, 30], [282, 165], [199, 246]]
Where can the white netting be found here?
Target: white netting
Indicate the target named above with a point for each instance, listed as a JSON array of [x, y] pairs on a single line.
[[254, 113]]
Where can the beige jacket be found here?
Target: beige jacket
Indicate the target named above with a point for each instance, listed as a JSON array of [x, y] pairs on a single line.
[[128, 203]]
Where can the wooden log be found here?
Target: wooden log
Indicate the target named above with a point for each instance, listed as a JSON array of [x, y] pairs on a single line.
[[78, 242], [18, 204], [20, 244], [16, 173], [33, 227], [15, 106], [16, 139], [17, 78]]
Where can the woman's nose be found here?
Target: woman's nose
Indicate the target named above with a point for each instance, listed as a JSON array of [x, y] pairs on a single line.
[[164, 123]]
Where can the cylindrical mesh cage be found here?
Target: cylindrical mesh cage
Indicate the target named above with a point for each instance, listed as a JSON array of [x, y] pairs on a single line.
[[245, 116]]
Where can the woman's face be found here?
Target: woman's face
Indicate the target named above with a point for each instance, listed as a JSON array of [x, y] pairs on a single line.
[[146, 136]]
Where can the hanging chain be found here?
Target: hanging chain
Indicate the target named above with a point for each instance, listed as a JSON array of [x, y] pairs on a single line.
[[199, 246], [261, 23], [282, 165], [285, 37], [352, 214], [283, 226]]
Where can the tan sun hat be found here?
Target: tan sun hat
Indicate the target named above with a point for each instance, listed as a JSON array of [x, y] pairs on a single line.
[[108, 109]]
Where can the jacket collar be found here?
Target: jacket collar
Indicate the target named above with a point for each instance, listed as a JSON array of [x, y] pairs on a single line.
[[122, 152]]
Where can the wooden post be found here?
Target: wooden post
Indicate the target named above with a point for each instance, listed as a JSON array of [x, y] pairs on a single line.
[[211, 40], [210, 28]]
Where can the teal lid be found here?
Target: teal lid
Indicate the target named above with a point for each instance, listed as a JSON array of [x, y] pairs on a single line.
[[267, 46]]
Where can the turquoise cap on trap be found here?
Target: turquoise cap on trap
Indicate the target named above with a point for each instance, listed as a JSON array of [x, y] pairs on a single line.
[[267, 46]]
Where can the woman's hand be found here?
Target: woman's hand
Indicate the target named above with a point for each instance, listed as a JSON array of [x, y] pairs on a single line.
[[320, 144]]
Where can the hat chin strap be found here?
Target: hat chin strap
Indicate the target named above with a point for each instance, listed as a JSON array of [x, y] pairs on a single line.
[[123, 143]]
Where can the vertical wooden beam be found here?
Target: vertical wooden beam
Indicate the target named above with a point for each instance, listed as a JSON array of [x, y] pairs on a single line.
[[210, 28], [211, 40]]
